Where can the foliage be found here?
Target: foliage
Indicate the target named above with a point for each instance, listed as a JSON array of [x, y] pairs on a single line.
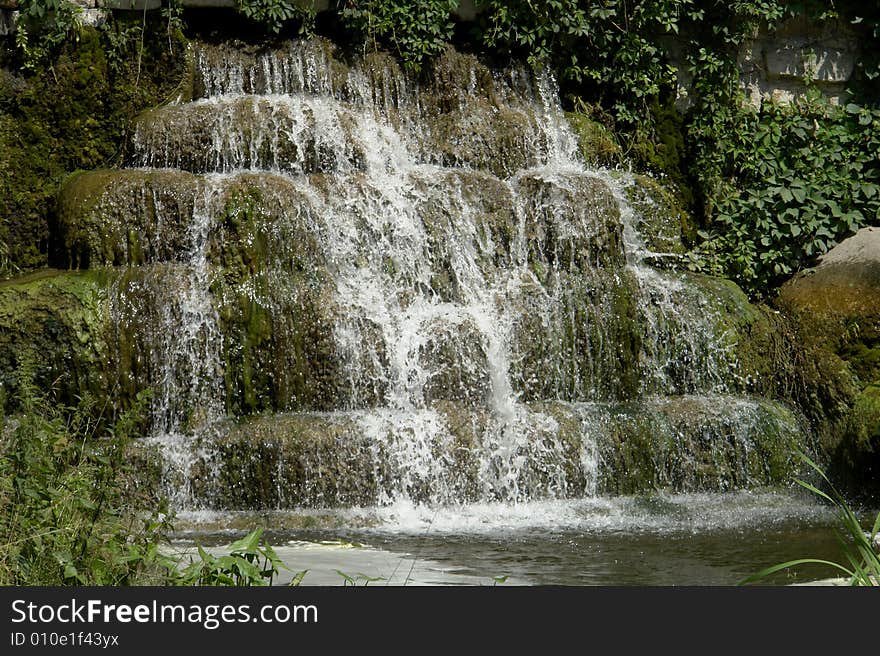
[[614, 45], [273, 14], [172, 12], [68, 516], [44, 26], [786, 183], [249, 562], [415, 31], [353, 580], [857, 547]]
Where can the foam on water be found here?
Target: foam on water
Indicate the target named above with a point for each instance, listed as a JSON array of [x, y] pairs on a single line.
[[655, 514]]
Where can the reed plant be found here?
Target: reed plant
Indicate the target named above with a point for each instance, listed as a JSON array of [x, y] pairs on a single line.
[[857, 547]]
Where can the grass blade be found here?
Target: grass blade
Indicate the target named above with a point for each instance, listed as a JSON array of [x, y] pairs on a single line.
[[792, 563]]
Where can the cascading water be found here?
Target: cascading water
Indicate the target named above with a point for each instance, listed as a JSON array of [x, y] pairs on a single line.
[[420, 289]]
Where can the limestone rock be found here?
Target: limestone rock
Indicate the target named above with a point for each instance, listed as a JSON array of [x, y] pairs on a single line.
[[837, 306], [844, 289]]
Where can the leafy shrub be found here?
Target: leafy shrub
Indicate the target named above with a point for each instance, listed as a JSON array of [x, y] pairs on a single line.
[[413, 30], [613, 45], [43, 27], [67, 516], [249, 562], [274, 13], [786, 183]]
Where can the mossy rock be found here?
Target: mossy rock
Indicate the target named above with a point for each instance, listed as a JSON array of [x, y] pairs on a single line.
[[572, 222], [470, 119], [456, 357], [363, 459], [245, 132], [275, 301], [596, 142], [835, 308], [578, 338], [73, 113], [481, 136], [113, 217], [315, 461], [218, 69], [279, 350], [675, 444], [662, 223], [695, 444], [55, 326], [479, 219], [838, 302]]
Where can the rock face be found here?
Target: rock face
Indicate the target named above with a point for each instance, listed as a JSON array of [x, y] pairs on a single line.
[[8, 20], [777, 66], [337, 295], [837, 307], [54, 328]]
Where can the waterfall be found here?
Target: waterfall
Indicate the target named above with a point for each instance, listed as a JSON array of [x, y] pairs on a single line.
[[366, 290]]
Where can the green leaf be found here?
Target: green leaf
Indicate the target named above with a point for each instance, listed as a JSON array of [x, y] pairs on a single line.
[[298, 578], [764, 573]]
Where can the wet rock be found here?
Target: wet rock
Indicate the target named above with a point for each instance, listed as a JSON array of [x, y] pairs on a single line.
[[249, 132], [836, 307], [309, 66], [453, 454], [457, 364], [577, 337], [55, 326], [692, 444], [596, 142], [125, 217], [572, 222], [662, 224]]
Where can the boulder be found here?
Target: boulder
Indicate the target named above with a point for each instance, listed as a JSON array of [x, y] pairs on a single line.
[[836, 306]]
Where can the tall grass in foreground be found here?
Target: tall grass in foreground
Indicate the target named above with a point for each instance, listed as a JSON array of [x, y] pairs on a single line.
[[71, 512], [857, 546]]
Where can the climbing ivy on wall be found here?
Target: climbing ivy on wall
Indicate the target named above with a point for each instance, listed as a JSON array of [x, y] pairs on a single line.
[[790, 182]]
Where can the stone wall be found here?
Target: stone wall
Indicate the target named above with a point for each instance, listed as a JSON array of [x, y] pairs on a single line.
[[776, 66], [92, 14]]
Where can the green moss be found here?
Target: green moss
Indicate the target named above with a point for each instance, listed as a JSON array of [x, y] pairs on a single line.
[[689, 444], [58, 325], [583, 344], [664, 225], [571, 224], [125, 217], [481, 136], [276, 303], [72, 115], [660, 149], [834, 311], [290, 461], [596, 142]]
